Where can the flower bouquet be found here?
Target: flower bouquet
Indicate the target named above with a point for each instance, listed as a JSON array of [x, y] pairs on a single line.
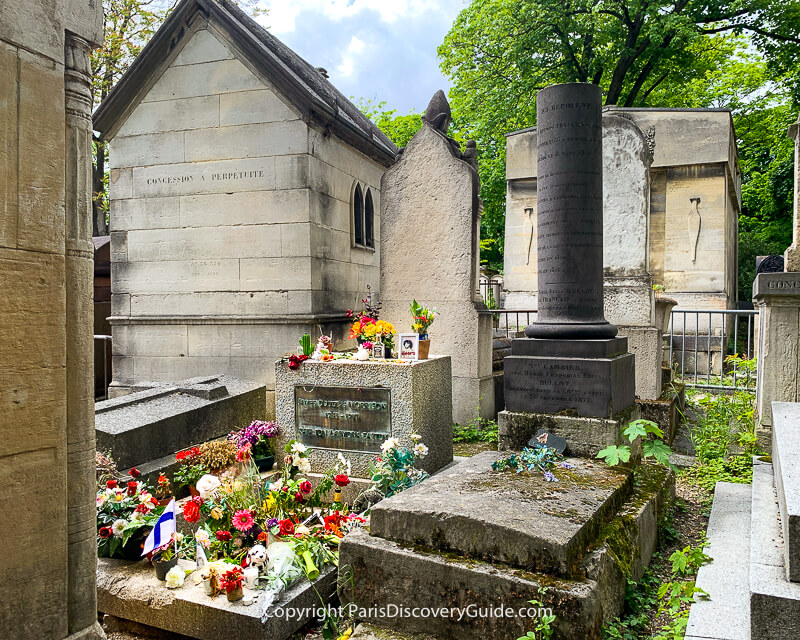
[[421, 320], [125, 513], [191, 469], [259, 437], [394, 470], [372, 331]]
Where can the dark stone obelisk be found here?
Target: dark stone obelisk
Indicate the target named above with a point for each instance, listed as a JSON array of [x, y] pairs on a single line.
[[570, 214], [571, 364]]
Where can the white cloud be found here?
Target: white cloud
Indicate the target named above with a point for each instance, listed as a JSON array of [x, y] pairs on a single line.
[[379, 49]]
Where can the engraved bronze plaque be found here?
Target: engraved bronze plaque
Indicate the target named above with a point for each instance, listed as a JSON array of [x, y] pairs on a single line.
[[347, 418]]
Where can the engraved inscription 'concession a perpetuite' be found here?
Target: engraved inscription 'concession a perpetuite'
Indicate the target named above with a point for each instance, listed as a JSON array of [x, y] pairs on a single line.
[[347, 418]]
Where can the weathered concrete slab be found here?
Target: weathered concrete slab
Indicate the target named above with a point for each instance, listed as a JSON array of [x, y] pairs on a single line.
[[774, 601], [156, 422], [520, 519], [786, 465], [367, 631], [386, 573], [726, 615], [131, 591]]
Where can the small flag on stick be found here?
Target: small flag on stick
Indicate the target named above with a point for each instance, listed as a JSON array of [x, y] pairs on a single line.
[[162, 532]]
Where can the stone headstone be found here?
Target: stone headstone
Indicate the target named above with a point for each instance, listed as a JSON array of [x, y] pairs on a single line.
[[547, 439], [770, 264], [792, 254], [430, 232]]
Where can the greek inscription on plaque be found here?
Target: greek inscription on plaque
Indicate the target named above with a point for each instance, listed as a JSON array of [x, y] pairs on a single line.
[[346, 418]]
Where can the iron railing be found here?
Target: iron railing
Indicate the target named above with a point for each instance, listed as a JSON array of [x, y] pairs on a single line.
[[713, 350], [102, 362], [489, 291], [510, 322]]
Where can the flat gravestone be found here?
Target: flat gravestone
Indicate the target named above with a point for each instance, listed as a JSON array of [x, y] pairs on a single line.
[[519, 519]]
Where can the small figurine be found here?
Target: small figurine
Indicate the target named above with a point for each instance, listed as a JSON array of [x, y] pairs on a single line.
[[257, 557], [323, 349]]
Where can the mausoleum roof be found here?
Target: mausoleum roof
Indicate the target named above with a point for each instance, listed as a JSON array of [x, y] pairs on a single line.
[[304, 85]]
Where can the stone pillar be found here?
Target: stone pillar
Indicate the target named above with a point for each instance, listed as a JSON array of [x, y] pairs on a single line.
[[79, 273], [570, 376], [792, 255], [570, 216]]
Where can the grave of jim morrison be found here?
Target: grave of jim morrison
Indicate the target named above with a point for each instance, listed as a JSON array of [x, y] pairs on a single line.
[[473, 535]]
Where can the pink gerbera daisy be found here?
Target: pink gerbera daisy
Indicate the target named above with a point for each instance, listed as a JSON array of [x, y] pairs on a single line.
[[243, 520]]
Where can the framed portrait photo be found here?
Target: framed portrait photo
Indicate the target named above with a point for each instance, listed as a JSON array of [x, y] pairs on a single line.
[[408, 346]]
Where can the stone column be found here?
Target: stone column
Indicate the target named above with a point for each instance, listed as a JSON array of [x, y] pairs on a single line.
[[570, 216], [792, 255], [81, 531]]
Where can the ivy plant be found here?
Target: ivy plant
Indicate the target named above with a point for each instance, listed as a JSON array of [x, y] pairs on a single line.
[[651, 447]]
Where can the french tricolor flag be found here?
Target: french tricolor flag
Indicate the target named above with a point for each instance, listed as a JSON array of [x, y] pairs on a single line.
[[162, 532]]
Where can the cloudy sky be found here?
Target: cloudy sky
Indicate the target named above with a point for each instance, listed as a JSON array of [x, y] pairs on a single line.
[[376, 49]]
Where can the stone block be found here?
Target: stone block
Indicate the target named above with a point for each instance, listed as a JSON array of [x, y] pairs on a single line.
[[9, 161], [131, 591], [366, 631], [204, 79], [120, 184], [145, 213], [203, 46], [151, 340], [645, 344], [208, 303], [774, 601], [145, 150], [585, 436], [221, 176], [205, 243], [249, 107], [247, 141], [172, 115], [244, 207], [785, 449], [276, 274], [665, 412], [181, 277], [473, 398], [726, 614], [589, 387], [419, 402], [292, 172], [153, 423], [521, 520]]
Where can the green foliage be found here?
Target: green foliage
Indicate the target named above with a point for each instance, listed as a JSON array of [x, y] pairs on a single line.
[[724, 420], [543, 628], [399, 129], [476, 430], [395, 471], [652, 447], [538, 458]]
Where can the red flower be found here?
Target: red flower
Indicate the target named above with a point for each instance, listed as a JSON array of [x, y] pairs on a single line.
[[305, 486], [133, 487], [296, 361], [162, 479], [284, 489], [111, 484], [142, 508], [154, 501], [105, 532], [243, 453], [341, 480], [243, 520], [191, 512], [224, 536], [298, 497], [262, 536], [198, 500], [286, 527], [135, 473]]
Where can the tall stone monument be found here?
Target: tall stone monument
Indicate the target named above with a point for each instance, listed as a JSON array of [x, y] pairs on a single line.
[[571, 375], [777, 298]]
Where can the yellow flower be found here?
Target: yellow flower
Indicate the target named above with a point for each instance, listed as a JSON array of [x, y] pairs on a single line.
[[384, 328], [269, 504], [216, 513]]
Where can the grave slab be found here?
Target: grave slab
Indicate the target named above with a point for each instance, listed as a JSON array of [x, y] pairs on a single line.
[[156, 422], [388, 574], [519, 519], [726, 615], [131, 591], [774, 601], [785, 449]]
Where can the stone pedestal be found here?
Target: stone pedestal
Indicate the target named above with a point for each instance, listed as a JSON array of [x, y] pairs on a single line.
[[352, 407], [777, 298]]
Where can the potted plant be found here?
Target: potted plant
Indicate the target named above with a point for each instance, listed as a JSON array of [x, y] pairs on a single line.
[[191, 469], [231, 583], [259, 436], [422, 318], [167, 556], [368, 315]]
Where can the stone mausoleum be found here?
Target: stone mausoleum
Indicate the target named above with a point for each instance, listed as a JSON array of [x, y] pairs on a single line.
[[245, 195], [693, 199]]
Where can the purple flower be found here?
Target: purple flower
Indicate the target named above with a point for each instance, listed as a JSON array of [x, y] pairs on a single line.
[[550, 477], [272, 522], [257, 430], [566, 465]]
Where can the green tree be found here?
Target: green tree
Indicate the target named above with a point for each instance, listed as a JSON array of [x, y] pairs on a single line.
[[499, 53], [399, 129]]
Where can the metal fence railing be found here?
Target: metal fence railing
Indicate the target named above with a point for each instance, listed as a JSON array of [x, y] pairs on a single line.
[[713, 350], [510, 323], [490, 291], [102, 366]]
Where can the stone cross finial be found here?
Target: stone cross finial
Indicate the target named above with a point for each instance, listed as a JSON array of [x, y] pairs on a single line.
[[792, 255]]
